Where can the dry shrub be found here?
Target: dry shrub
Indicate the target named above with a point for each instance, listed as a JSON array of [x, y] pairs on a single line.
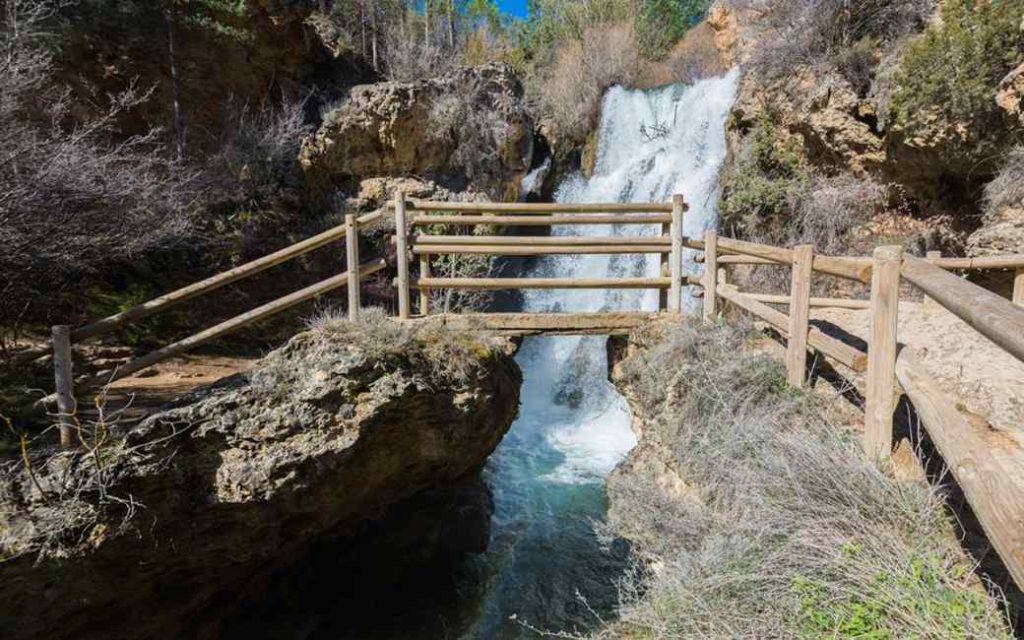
[[832, 207], [693, 58], [441, 355], [788, 529], [813, 32], [1007, 189], [482, 120], [73, 197], [410, 58], [569, 93]]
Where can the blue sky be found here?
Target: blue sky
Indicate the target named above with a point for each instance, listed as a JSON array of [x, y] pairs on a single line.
[[513, 7]]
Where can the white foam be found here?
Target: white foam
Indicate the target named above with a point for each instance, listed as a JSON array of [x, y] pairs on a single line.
[[566, 387]]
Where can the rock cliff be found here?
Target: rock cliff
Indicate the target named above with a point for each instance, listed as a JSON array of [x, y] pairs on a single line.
[[156, 531], [468, 125]]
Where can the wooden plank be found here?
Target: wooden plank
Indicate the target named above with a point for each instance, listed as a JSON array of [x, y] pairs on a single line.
[[710, 275], [880, 399], [542, 283], [838, 303], [1018, 287], [526, 324], [799, 314], [740, 259], [988, 464], [191, 291], [541, 208], [550, 250], [665, 270], [352, 258], [997, 318], [675, 295], [979, 264], [64, 385], [402, 240], [229, 326], [539, 221], [838, 351], [424, 292], [858, 269], [542, 241]]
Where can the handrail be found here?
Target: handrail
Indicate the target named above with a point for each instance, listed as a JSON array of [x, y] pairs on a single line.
[[589, 241], [228, 326], [853, 358], [994, 317], [423, 220], [519, 250], [851, 268], [197, 289], [540, 208], [542, 283]]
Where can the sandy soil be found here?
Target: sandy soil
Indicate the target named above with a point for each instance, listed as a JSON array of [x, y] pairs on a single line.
[[155, 387], [986, 380]]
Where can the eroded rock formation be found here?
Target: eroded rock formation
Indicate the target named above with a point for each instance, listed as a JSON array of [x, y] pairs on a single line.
[[467, 124], [156, 533]]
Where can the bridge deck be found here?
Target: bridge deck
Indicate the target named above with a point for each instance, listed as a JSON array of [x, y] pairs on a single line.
[[557, 324]]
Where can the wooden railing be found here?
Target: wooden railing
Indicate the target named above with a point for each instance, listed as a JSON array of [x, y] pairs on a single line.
[[63, 337], [989, 468], [670, 244]]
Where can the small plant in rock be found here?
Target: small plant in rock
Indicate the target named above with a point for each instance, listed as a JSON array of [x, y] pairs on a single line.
[[948, 77], [772, 170]]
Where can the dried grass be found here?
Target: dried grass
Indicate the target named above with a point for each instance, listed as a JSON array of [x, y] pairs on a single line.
[[440, 355], [1007, 189], [789, 530]]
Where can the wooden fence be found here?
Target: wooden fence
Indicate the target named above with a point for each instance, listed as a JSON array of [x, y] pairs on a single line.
[[990, 469], [418, 215], [988, 466]]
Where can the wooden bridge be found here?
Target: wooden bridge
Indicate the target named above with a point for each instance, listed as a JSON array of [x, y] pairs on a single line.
[[988, 465]]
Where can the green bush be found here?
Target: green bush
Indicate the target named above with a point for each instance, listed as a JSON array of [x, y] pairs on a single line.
[[760, 190], [949, 76]]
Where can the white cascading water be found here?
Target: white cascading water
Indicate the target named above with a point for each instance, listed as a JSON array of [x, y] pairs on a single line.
[[574, 427]]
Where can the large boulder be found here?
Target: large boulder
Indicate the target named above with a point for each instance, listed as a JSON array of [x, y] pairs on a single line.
[[471, 123], [151, 533]]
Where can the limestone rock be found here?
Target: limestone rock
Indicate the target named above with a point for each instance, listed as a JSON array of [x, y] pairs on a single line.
[[387, 129], [1002, 233], [1011, 92], [325, 434]]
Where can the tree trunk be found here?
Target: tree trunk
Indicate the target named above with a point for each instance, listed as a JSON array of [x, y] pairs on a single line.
[[373, 34], [451, 25], [178, 124], [426, 22]]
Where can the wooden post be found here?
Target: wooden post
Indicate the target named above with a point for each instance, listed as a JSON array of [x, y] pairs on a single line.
[[710, 275], [402, 241], [1018, 287], [675, 296], [425, 292], [666, 232], [799, 314], [64, 383], [929, 302], [881, 392], [352, 251]]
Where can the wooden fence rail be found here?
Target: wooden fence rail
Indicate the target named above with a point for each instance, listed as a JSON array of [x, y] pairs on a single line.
[[989, 467]]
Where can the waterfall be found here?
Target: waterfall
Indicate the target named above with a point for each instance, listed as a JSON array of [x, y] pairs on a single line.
[[574, 427]]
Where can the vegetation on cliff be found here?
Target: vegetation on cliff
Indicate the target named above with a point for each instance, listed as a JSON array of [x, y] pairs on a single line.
[[761, 516]]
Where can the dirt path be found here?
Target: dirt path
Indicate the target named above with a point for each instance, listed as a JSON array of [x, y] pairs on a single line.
[[150, 389], [986, 380]]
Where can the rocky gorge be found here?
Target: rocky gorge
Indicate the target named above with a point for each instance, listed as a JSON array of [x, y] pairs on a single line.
[[160, 533]]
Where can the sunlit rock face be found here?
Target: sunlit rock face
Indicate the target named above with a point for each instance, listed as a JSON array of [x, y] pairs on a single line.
[[413, 128]]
